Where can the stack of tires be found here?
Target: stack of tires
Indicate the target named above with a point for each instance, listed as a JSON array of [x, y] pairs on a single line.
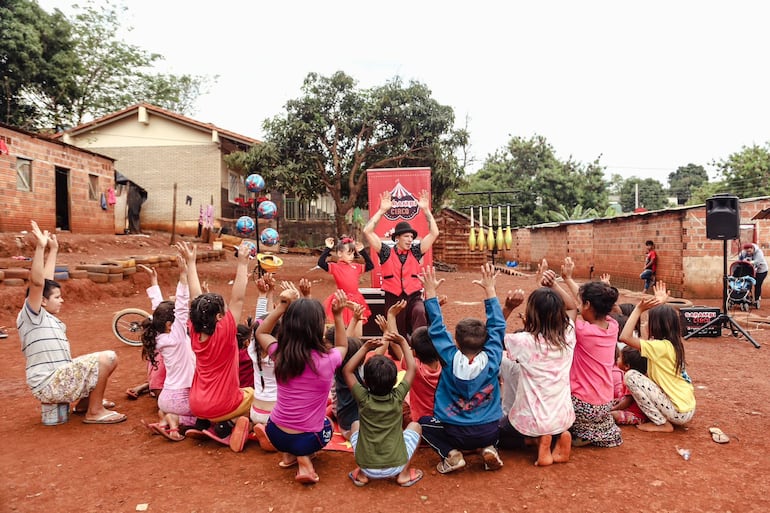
[[109, 271], [15, 276]]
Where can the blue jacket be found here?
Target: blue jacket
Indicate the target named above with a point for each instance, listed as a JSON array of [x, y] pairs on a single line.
[[475, 401]]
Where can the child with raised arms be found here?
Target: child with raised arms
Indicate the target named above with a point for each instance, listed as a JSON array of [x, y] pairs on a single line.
[[165, 335], [665, 395], [592, 362], [215, 394], [53, 376], [467, 407], [346, 272], [382, 449], [304, 373], [542, 409]]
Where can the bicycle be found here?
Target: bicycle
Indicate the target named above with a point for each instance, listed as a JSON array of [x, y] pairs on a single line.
[[127, 325]]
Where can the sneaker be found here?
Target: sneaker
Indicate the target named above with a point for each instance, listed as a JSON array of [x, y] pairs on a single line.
[[4, 334], [491, 458], [451, 463], [239, 434]]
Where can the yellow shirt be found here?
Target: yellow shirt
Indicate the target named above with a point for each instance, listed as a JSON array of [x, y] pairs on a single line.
[[661, 368]]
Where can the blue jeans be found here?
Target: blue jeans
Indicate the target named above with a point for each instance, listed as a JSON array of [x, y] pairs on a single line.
[[649, 278]]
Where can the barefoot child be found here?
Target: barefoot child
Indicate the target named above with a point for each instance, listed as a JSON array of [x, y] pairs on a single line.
[[591, 372], [543, 408], [381, 448], [666, 394]]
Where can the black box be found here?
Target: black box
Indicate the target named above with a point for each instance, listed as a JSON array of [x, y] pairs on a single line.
[[698, 316], [375, 300]]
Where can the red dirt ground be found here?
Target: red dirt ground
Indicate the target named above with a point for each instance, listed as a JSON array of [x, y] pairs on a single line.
[[115, 468]]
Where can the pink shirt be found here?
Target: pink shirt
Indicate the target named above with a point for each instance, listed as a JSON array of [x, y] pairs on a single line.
[[591, 373], [301, 403]]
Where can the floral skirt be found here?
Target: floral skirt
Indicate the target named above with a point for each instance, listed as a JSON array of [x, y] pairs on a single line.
[[595, 424], [72, 381]]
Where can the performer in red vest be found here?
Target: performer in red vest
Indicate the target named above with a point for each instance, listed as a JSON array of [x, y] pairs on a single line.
[[400, 264]]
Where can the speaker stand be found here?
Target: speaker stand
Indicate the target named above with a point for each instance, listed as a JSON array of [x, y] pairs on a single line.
[[723, 319]]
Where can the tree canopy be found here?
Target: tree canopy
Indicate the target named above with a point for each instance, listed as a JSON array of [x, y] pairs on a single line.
[[540, 182], [685, 180], [58, 72], [746, 173], [651, 194], [334, 132]]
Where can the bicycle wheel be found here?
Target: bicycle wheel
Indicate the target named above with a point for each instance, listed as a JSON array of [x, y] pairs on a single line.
[[127, 325]]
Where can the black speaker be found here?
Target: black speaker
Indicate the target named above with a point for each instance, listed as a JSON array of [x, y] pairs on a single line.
[[723, 218]]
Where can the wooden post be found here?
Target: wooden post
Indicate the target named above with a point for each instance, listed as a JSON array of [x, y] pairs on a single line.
[[173, 219]]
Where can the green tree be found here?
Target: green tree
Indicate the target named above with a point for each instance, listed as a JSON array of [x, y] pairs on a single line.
[[37, 59], [59, 72], [652, 195], [705, 191], [685, 180], [577, 213], [747, 172], [334, 132], [539, 180]]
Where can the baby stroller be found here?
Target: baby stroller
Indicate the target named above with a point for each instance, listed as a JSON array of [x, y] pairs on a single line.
[[740, 284]]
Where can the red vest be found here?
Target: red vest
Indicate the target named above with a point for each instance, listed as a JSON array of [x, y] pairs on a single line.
[[398, 278]]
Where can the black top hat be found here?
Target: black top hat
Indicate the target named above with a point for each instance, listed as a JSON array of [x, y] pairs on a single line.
[[401, 228]]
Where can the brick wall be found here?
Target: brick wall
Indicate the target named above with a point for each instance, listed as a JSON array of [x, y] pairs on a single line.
[[690, 264], [17, 208], [195, 168]]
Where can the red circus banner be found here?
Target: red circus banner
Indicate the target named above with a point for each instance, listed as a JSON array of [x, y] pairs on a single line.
[[404, 185]]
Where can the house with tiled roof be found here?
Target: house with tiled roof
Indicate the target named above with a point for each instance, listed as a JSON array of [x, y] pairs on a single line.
[[179, 162], [60, 186]]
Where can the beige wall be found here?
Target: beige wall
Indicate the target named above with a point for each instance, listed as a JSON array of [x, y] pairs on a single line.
[[157, 153], [128, 132]]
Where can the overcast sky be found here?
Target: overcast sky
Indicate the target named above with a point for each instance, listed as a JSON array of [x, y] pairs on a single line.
[[647, 86]]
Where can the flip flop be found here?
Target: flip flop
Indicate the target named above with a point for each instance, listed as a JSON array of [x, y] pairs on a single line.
[[307, 479], [259, 435], [112, 417], [166, 432], [718, 435], [152, 427], [353, 475], [196, 434], [239, 434], [414, 476]]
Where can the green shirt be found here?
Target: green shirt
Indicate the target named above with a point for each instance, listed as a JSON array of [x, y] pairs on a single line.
[[380, 437]]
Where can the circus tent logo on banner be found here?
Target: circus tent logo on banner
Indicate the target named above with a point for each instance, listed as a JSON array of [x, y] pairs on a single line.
[[404, 204]]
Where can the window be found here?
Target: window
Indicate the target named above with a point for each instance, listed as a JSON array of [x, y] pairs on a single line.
[[23, 174], [233, 187], [93, 187]]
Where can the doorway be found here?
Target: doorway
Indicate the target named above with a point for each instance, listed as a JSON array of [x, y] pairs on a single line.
[[62, 199]]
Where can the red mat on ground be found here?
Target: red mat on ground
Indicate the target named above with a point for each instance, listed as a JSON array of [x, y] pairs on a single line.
[[338, 442]]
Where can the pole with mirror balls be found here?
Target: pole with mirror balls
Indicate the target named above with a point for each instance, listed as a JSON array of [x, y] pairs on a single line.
[[264, 209]]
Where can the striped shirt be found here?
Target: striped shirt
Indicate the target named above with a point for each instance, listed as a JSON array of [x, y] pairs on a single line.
[[44, 344]]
